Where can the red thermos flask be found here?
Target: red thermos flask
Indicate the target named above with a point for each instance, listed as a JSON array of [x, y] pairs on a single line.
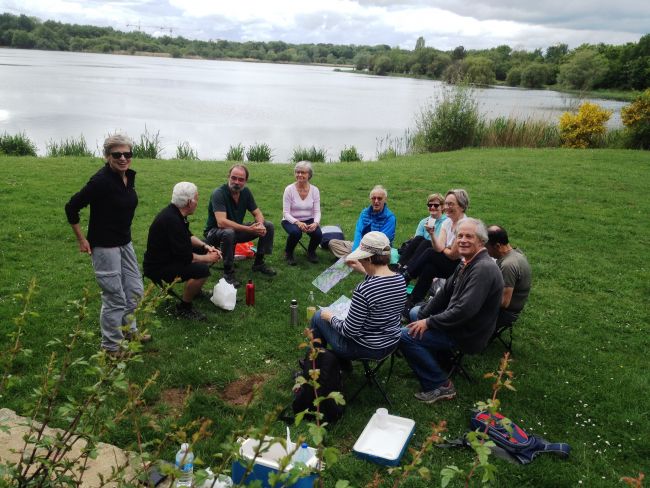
[[250, 293]]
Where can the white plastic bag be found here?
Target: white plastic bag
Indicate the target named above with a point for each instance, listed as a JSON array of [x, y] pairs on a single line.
[[224, 295]]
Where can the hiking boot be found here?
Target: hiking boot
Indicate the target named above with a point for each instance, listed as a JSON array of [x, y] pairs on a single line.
[[264, 269], [137, 336], [190, 314], [204, 295], [311, 257], [291, 261], [230, 278], [443, 392]]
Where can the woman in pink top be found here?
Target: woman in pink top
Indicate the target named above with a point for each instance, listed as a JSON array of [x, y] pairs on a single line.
[[301, 213]]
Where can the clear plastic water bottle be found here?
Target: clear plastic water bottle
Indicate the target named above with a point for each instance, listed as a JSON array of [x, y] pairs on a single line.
[[311, 306], [185, 463], [302, 455]]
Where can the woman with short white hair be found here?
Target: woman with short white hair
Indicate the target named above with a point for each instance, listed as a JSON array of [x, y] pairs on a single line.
[[301, 213]]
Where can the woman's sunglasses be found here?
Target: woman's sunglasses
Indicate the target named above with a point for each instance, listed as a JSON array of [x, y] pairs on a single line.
[[434, 205], [118, 155]]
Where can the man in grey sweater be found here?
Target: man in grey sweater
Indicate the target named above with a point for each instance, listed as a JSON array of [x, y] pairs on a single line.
[[461, 316]]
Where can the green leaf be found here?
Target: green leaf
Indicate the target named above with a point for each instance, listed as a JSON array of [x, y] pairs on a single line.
[[317, 433], [331, 455], [299, 417]]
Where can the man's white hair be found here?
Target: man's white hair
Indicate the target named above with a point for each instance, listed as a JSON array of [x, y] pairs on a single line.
[[481, 230], [183, 192], [379, 189]]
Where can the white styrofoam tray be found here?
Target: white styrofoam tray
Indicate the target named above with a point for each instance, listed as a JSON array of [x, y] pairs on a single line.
[[384, 445]]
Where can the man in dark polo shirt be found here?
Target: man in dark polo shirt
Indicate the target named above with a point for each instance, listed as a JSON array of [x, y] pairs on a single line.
[[225, 225], [173, 252]]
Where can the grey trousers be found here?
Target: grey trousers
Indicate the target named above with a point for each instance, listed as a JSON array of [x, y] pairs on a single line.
[[118, 276], [340, 248]]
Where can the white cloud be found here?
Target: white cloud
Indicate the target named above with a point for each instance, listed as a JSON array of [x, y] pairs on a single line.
[[444, 24]]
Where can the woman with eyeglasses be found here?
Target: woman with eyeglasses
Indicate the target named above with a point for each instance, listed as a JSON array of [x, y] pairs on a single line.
[[111, 195], [421, 241], [441, 259], [301, 213]]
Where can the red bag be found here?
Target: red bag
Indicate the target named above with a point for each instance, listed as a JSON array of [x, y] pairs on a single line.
[[244, 250]]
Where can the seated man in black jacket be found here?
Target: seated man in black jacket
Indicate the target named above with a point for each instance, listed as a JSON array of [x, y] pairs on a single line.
[[460, 316], [173, 252]]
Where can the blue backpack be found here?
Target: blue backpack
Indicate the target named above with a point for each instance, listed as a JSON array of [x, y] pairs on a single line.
[[515, 445]]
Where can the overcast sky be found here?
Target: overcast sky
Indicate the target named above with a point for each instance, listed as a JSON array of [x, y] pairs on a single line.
[[444, 24]]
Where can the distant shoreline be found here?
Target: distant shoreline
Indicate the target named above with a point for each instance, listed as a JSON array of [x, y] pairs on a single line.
[[617, 95]]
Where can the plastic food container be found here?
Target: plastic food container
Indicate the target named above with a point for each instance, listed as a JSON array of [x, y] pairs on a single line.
[[385, 438], [268, 462]]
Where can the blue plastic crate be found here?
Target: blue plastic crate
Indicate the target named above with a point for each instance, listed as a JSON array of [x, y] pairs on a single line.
[[262, 473]]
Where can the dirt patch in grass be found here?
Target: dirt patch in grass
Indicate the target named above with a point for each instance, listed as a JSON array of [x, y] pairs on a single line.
[[240, 392], [174, 398]]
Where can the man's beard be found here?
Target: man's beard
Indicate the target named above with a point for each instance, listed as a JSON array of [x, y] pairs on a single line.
[[235, 187]]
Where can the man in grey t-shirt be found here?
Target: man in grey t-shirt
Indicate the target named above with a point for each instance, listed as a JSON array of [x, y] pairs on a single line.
[[517, 275]]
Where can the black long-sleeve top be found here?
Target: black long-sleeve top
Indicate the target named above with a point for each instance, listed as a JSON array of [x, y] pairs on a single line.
[[466, 308], [169, 241], [112, 206]]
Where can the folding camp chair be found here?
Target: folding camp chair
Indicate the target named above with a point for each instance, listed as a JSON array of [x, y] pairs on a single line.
[[371, 368]]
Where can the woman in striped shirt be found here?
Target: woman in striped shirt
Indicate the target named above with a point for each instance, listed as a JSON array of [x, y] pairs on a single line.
[[372, 327]]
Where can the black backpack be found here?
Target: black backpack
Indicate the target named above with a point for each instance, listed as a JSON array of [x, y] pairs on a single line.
[[329, 381]]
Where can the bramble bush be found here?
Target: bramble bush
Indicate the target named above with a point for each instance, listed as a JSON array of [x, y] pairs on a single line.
[[586, 128], [636, 118]]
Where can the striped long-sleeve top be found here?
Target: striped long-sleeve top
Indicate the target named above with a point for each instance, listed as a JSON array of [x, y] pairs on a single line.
[[374, 319]]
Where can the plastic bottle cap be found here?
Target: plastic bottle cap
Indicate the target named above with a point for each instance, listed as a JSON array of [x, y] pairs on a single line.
[[294, 302], [304, 445]]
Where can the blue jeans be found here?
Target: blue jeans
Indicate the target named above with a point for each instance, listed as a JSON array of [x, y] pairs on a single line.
[[342, 346], [413, 313], [418, 353], [294, 235]]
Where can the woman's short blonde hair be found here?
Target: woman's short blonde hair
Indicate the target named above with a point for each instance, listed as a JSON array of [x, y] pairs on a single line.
[[116, 140]]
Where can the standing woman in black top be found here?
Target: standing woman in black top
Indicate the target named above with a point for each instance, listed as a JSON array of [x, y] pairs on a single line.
[[112, 198]]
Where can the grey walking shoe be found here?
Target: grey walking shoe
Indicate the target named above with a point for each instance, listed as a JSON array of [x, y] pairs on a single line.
[[443, 392]]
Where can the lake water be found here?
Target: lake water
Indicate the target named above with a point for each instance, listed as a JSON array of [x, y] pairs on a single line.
[[215, 104]]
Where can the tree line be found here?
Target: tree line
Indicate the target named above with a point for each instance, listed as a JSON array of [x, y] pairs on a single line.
[[587, 67]]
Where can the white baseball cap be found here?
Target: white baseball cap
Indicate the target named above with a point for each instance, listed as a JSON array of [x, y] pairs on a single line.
[[372, 244]]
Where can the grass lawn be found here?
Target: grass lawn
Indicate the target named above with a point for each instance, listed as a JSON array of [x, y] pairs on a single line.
[[581, 216]]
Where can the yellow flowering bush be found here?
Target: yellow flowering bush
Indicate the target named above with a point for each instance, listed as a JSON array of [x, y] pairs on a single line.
[[636, 118], [585, 128]]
